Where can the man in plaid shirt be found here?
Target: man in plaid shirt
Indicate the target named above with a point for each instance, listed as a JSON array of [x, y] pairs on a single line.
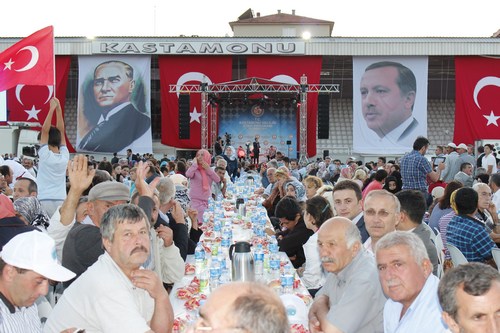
[[465, 232]]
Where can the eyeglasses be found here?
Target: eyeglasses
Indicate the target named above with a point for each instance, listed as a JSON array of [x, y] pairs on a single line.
[[381, 213]]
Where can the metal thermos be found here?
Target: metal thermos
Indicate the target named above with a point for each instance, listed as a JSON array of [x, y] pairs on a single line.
[[242, 262]]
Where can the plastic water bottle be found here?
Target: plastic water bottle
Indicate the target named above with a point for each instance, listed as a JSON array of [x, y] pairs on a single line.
[[199, 259], [217, 227], [259, 260], [274, 262], [227, 235], [287, 279], [204, 277], [215, 272], [273, 244]]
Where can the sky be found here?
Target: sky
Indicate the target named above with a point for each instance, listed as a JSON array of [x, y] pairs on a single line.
[[353, 18]]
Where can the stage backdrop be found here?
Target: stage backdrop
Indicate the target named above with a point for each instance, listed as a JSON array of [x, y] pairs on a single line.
[[189, 70], [477, 114], [376, 100], [274, 125], [289, 70], [30, 104], [89, 113]]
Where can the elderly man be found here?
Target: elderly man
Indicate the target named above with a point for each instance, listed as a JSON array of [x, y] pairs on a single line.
[[405, 275], [351, 299], [27, 264], [470, 297], [245, 307], [487, 211], [452, 163], [413, 208], [115, 294], [347, 203], [382, 215]]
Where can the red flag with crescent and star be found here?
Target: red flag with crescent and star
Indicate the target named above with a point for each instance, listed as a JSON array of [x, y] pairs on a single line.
[[188, 70], [477, 106], [29, 61], [29, 104]]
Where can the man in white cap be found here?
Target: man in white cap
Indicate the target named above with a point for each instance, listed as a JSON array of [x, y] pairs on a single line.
[[463, 155], [452, 165], [28, 261]]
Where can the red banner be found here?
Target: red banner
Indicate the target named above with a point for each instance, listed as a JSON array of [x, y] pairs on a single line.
[[29, 61], [477, 107], [275, 68], [30, 104], [187, 70]]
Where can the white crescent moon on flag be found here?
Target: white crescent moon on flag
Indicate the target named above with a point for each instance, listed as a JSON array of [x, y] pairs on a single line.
[[284, 79], [191, 76], [485, 81], [34, 58], [20, 87]]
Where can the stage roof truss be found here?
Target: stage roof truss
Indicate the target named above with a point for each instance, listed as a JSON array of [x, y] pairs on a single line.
[[252, 86]]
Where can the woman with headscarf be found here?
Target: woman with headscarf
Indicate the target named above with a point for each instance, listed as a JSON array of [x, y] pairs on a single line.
[[10, 224], [31, 212], [345, 174], [232, 162], [392, 185], [202, 177], [443, 205]]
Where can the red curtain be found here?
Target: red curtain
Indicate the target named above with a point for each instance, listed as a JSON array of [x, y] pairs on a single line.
[[30, 104], [268, 67], [188, 70], [477, 107]]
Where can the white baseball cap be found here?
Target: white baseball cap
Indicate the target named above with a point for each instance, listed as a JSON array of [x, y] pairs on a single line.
[[462, 146], [35, 251], [452, 145]]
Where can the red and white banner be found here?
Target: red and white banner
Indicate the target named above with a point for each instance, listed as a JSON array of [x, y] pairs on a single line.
[[289, 70], [187, 70], [30, 104], [29, 61], [477, 106]]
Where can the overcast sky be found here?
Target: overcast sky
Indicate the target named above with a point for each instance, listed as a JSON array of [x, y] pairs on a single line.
[[391, 18]]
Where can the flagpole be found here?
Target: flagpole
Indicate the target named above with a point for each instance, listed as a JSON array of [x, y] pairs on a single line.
[[54, 60]]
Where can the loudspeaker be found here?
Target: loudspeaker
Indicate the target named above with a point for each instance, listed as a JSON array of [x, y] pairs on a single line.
[[323, 116], [326, 153], [184, 118]]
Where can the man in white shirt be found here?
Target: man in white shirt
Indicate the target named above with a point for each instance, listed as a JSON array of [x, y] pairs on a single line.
[[405, 273], [495, 186], [116, 294]]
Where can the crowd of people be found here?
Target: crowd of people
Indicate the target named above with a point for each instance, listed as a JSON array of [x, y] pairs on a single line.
[[106, 240]]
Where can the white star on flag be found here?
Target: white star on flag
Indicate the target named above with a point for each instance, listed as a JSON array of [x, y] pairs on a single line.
[[492, 119], [8, 64], [195, 116], [33, 113]]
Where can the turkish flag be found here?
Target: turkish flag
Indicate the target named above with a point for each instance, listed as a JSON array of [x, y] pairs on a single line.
[[29, 104], [188, 70], [275, 68], [477, 106], [29, 61]]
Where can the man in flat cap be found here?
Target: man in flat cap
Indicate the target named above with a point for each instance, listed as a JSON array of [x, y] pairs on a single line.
[[28, 261]]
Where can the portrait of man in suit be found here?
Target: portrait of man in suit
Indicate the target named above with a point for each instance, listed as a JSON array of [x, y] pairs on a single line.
[[117, 121], [388, 90], [387, 110]]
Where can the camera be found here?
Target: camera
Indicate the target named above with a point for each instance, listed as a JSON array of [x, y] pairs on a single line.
[[31, 151]]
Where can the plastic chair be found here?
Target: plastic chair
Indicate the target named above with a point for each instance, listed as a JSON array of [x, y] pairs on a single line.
[[457, 257], [496, 256], [438, 243]]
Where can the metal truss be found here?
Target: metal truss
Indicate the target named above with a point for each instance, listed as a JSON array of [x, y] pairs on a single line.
[[253, 86]]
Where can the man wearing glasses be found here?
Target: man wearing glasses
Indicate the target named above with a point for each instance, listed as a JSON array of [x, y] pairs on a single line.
[[382, 214]]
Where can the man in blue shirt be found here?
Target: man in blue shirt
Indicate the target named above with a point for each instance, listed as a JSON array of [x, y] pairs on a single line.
[[415, 167], [467, 233]]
